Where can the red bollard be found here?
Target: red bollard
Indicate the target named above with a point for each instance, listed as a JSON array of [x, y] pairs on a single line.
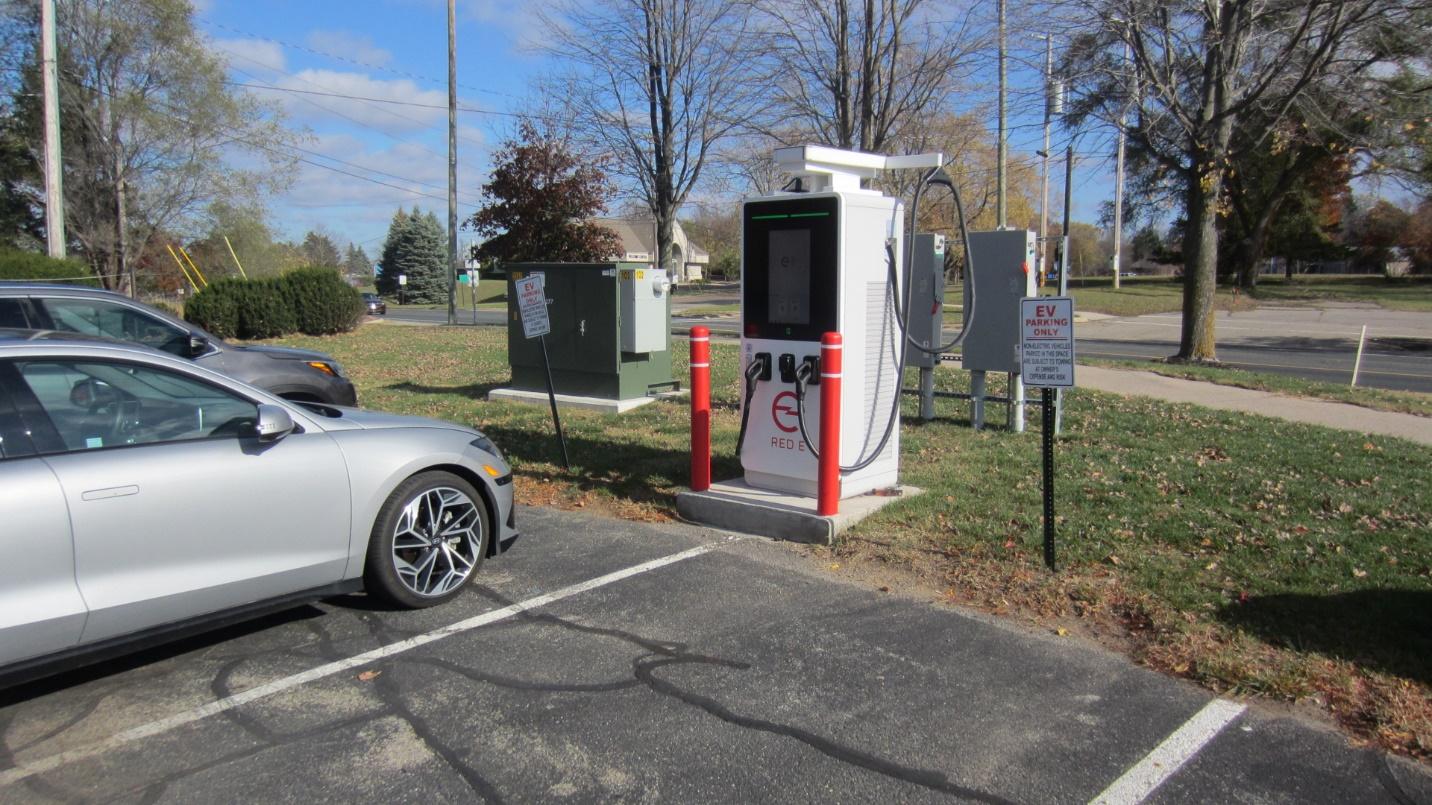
[[828, 474], [700, 409]]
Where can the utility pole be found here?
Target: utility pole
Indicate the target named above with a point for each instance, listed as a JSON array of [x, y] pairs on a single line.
[[1000, 206], [1119, 178], [452, 162], [54, 173], [1044, 171], [1064, 266]]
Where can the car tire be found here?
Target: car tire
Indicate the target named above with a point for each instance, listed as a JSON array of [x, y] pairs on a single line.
[[428, 541]]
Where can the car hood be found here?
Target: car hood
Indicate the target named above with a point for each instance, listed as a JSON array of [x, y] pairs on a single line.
[[378, 420], [283, 353]]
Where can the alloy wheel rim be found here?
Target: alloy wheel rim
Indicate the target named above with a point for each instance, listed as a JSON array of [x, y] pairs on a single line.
[[436, 540]]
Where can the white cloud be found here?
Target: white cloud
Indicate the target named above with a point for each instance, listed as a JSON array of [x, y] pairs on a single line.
[[360, 209], [303, 105], [246, 54], [349, 45]]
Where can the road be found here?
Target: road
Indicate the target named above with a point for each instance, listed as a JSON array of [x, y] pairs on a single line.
[[603, 660], [1311, 343]]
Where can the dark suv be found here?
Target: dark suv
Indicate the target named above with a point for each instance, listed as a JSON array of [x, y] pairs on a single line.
[[296, 374], [375, 304]]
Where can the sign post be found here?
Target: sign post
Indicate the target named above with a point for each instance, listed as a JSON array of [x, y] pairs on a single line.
[[532, 304], [402, 286], [1046, 353]]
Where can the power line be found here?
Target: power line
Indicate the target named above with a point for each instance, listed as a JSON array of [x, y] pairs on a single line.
[[353, 61], [169, 109]]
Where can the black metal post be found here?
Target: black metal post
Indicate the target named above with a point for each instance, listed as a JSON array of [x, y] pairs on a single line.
[[1048, 477], [552, 397]]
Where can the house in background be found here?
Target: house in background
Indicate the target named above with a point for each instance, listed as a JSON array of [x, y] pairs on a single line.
[[638, 237]]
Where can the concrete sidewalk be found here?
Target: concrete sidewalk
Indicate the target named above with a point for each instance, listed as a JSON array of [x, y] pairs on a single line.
[[1229, 398]]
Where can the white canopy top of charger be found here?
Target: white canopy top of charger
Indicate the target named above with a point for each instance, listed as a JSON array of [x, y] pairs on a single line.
[[834, 169]]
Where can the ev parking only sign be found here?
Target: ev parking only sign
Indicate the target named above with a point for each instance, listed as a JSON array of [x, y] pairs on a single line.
[[1046, 341], [532, 304]]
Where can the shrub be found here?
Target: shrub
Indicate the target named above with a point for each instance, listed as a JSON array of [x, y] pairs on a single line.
[[216, 308], [264, 309], [322, 301], [18, 265], [240, 308]]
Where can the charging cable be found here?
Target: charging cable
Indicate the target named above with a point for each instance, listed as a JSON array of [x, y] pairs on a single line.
[[754, 369], [803, 373]]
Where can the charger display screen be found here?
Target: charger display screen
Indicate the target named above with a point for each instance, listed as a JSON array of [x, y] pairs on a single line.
[[789, 267], [788, 277]]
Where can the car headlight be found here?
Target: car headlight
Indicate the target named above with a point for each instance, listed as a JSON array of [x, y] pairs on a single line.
[[330, 368], [484, 443]]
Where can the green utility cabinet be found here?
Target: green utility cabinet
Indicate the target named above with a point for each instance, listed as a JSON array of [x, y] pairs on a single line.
[[601, 314]]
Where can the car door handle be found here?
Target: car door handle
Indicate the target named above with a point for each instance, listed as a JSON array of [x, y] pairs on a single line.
[[111, 492]]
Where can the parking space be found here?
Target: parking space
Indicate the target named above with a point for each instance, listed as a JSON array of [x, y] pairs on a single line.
[[607, 660]]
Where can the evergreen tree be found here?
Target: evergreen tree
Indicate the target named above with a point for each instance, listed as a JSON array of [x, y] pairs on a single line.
[[320, 250], [388, 268], [416, 247], [357, 265]]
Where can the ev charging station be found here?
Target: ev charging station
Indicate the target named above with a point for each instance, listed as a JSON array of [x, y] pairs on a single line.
[[828, 327], [825, 260], [824, 256]]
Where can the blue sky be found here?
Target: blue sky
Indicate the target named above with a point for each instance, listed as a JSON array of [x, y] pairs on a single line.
[[396, 50]]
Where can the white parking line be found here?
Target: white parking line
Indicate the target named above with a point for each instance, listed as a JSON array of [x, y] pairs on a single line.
[[1168, 757], [14, 775]]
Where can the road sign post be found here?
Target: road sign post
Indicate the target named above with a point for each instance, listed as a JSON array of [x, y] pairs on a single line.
[[1046, 355], [532, 305], [402, 286]]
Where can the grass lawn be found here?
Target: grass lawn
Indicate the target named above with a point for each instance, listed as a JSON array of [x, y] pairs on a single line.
[[489, 292], [1255, 556], [1137, 296], [1406, 402], [1401, 293], [1141, 295]]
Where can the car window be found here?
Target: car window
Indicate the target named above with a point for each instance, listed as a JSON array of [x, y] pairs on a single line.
[[14, 439], [96, 404], [12, 313], [111, 320]]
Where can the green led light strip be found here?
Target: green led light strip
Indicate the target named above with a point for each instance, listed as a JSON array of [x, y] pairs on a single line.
[[810, 214], [768, 217]]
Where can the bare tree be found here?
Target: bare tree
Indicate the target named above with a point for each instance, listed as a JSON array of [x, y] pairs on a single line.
[[656, 85], [148, 125], [853, 73], [1201, 67]]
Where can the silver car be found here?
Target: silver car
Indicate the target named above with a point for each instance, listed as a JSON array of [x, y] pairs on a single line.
[[143, 497], [294, 374]]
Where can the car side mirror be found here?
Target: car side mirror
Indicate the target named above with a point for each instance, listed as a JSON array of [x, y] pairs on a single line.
[[198, 345], [273, 423]]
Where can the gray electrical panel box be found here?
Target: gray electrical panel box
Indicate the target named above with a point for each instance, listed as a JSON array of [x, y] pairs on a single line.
[[1004, 272], [643, 309], [927, 300]]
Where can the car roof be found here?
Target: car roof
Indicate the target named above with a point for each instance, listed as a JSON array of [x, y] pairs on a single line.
[[78, 290], [11, 334]]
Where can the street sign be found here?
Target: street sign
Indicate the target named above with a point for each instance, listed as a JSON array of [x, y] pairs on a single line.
[[532, 304], [1046, 341], [402, 279]]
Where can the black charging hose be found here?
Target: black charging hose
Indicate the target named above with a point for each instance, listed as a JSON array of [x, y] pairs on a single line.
[[936, 176], [753, 370]]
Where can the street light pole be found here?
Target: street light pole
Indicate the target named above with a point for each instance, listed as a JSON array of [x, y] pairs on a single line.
[[452, 162], [1000, 206], [1119, 179], [54, 173], [1044, 180]]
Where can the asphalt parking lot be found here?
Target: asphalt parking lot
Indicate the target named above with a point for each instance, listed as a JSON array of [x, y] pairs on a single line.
[[604, 660]]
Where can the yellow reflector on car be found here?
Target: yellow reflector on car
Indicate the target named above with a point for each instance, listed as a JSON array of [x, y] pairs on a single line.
[[322, 367], [490, 470]]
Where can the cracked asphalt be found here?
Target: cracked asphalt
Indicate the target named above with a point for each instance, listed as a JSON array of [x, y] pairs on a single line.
[[741, 674]]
